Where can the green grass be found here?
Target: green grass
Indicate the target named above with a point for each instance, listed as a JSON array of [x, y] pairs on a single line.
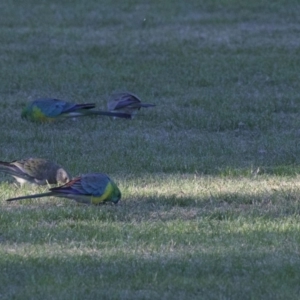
[[209, 177]]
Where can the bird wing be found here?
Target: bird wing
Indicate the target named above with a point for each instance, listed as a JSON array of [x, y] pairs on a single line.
[[71, 187], [90, 188], [95, 184], [25, 170], [11, 168], [122, 100], [90, 184], [50, 107], [41, 170]]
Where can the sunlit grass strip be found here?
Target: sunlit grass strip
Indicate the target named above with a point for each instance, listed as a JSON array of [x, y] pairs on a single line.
[[162, 186]]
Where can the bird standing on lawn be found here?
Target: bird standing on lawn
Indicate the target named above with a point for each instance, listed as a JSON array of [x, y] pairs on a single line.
[[126, 102], [49, 109], [36, 171], [94, 188]]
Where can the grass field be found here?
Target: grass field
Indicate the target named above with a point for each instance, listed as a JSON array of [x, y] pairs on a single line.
[[209, 177]]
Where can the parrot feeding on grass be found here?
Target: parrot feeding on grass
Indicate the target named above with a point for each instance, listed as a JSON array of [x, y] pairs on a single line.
[[94, 188], [49, 109]]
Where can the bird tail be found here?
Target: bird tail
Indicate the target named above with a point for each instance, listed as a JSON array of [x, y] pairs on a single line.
[[147, 105], [30, 196], [79, 107], [111, 114], [85, 106], [9, 168], [101, 113], [4, 165]]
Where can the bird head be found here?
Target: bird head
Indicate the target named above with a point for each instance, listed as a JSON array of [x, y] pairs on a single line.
[[62, 176], [24, 113], [116, 194]]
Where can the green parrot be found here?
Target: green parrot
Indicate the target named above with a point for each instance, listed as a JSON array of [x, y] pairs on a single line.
[[36, 171], [126, 102], [94, 188], [49, 109]]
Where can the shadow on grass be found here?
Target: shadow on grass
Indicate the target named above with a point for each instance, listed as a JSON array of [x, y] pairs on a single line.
[[68, 222], [150, 245], [215, 275], [274, 198]]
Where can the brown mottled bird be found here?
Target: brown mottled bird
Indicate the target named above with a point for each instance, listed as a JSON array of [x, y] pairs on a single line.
[[35, 171], [126, 102]]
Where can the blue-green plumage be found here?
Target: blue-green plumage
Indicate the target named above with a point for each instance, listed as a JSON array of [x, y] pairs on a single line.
[[93, 188], [49, 109]]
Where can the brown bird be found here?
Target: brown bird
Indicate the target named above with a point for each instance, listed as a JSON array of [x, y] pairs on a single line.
[[126, 102], [35, 171]]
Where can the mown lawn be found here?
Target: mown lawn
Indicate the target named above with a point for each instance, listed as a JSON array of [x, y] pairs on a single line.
[[209, 177]]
